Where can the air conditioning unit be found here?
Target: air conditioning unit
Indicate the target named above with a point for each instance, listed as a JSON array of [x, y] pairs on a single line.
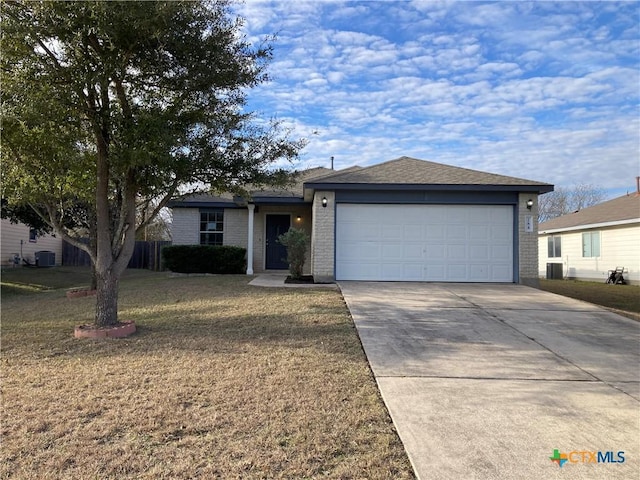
[[45, 259], [554, 271]]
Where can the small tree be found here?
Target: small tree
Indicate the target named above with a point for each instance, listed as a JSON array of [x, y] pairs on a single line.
[[296, 242], [109, 106]]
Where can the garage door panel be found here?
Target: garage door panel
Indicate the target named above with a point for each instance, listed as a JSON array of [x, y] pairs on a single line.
[[455, 216], [434, 273], [392, 251], [392, 232], [369, 231], [392, 271], [412, 272], [435, 252], [479, 253], [501, 274], [434, 232], [367, 251], [501, 253], [412, 233], [436, 215], [367, 271], [456, 232], [501, 233], [413, 251], [349, 229], [482, 216], [457, 273], [456, 243], [479, 233], [456, 252], [479, 273]]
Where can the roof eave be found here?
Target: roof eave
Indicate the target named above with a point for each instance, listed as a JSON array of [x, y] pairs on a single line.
[[544, 188], [278, 201], [613, 223], [192, 204]]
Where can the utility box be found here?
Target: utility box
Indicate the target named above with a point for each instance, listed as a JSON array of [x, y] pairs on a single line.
[[554, 271], [45, 258]]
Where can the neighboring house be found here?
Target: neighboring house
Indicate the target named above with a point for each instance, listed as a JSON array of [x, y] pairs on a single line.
[[21, 241], [590, 242], [402, 220]]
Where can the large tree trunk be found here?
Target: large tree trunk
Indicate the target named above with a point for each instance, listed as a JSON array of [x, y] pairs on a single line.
[[115, 245], [108, 270], [108, 278], [107, 298]]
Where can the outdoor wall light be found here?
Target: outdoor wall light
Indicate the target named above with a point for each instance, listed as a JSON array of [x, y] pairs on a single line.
[[324, 202], [529, 204], [298, 218]]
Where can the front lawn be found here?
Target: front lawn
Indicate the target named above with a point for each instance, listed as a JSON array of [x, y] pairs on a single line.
[[625, 298], [223, 380]]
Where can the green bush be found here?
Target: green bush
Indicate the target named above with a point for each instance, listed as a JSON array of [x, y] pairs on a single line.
[[204, 259], [296, 242]]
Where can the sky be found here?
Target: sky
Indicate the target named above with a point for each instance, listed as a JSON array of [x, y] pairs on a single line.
[[547, 91]]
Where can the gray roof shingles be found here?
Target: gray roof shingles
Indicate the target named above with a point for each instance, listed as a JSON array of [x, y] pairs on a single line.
[[297, 189], [401, 171], [621, 209], [411, 171]]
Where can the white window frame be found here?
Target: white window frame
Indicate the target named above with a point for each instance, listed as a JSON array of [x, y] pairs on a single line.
[[591, 249], [202, 234], [554, 246]]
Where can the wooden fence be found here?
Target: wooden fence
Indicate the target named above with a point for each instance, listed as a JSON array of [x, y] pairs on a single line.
[[145, 255]]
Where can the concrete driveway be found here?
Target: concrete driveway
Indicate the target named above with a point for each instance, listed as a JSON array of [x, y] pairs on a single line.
[[485, 381]]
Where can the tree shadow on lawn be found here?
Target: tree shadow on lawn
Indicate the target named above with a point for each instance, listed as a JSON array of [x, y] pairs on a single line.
[[324, 329], [235, 332]]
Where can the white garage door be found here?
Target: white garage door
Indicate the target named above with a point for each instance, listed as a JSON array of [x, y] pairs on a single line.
[[439, 243]]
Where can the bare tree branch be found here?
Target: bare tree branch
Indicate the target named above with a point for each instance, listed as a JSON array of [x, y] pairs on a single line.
[[565, 200]]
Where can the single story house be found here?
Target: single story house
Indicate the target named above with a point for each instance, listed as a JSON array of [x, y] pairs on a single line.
[[586, 244], [402, 220], [21, 242]]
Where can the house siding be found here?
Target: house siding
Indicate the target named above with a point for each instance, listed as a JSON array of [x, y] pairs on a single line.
[[323, 237], [619, 247], [527, 242], [13, 233]]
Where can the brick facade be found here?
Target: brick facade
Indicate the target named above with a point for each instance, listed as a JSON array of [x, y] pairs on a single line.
[[235, 227], [319, 222], [323, 237], [186, 224], [528, 241]]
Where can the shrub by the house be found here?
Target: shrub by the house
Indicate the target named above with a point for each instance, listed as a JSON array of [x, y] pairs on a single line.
[[204, 258], [296, 242]]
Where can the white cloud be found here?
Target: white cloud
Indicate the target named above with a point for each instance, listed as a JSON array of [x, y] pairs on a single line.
[[538, 90]]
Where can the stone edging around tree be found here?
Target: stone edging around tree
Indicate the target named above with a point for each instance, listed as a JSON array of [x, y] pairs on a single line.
[[121, 330]]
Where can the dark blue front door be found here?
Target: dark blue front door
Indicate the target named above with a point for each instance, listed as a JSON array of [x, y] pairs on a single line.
[[276, 254]]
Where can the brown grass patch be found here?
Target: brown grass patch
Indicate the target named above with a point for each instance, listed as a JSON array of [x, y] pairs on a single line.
[[222, 380], [622, 298]]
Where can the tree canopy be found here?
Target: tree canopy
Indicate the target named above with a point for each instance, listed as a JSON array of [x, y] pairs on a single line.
[[565, 200], [110, 106]]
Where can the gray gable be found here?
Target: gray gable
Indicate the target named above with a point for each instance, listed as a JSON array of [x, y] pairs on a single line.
[[411, 171]]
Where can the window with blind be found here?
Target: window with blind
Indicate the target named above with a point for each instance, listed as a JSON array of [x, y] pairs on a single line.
[[211, 227]]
